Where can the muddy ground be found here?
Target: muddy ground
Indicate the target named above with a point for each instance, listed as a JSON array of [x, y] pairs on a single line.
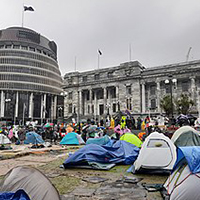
[[74, 184]]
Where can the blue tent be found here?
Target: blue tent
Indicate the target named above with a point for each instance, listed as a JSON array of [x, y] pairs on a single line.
[[18, 195], [70, 138], [191, 155], [33, 138], [184, 182], [120, 152], [100, 141]]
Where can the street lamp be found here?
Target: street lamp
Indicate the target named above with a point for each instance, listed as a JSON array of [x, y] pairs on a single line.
[[171, 81]]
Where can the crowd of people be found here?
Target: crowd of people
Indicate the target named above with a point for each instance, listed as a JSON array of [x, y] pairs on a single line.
[[91, 128]]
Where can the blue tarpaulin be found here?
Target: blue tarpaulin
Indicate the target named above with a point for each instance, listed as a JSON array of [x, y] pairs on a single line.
[[191, 154], [120, 152], [18, 195]]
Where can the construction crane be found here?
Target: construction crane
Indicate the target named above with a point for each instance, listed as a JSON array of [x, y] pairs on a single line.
[[188, 54]]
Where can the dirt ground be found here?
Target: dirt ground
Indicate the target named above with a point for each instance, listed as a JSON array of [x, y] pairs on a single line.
[[81, 183]]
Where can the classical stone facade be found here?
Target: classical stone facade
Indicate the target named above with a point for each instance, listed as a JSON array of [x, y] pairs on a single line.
[[30, 79], [131, 86]]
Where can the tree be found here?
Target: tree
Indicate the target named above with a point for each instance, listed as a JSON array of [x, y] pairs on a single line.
[[184, 104], [166, 104]]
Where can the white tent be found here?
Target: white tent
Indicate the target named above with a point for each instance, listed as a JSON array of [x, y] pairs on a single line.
[[186, 136], [4, 139], [157, 154], [184, 182]]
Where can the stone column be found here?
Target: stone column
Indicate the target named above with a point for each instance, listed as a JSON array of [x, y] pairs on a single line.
[[95, 104], [55, 107], [198, 101], [80, 101], [2, 103], [17, 104], [143, 98], [105, 99], [193, 88], [158, 95], [31, 106]]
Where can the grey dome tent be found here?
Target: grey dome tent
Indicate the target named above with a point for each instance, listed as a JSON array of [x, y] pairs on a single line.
[[32, 181], [186, 136]]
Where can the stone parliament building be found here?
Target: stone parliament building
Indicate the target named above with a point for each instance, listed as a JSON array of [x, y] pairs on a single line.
[[97, 93]]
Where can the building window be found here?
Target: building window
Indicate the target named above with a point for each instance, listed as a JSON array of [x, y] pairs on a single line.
[[114, 107], [110, 74], [39, 51], [16, 46], [70, 95], [84, 78], [101, 109], [185, 86], [92, 109], [24, 47], [31, 49], [100, 94], [70, 108], [153, 104], [113, 92], [152, 90], [167, 88], [88, 109], [8, 46], [96, 77], [128, 90]]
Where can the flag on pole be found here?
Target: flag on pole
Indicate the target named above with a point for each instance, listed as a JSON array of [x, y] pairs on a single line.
[[28, 8], [100, 53]]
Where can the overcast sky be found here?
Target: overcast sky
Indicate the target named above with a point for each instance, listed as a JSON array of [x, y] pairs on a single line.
[[159, 32]]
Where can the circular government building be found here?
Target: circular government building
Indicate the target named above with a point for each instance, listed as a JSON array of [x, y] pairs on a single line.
[[30, 79]]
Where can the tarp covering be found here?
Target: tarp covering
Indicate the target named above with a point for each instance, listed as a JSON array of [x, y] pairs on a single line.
[[32, 181], [120, 152], [70, 138], [33, 138], [131, 138], [100, 141], [186, 136], [18, 195], [184, 182]]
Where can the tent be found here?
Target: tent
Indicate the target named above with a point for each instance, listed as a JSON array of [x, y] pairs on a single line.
[[157, 155], [186, 136], [33, 138], [32, 181], [131, 138], [119, 152], [184, 182], [100, 141], [18, 195], [4, 139], [72, 138]]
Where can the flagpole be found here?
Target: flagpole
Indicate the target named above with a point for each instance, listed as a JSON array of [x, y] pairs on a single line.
[[23, 15], [75, 64], [129, 51]]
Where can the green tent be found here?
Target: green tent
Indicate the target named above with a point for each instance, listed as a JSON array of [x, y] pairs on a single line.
[[131, 138]]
